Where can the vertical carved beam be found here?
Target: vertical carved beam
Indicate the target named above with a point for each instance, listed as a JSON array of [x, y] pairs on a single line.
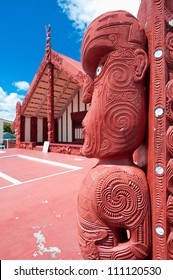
[[48, 44], [50, 91], [169, 112], [18, 124], [152, 17], [50, 105]]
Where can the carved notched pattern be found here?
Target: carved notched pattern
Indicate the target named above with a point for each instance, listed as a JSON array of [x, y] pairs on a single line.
[[170, 221], [169, 100]]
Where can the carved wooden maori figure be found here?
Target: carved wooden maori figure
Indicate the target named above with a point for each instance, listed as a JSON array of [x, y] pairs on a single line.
[[113, 203]]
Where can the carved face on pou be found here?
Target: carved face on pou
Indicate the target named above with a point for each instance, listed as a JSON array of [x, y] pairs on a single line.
[[115, 62]]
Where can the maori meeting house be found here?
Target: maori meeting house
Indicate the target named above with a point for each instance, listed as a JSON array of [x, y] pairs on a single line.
[[52, 109]]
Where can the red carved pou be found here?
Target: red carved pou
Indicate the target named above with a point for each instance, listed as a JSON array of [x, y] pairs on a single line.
[[156, 17], [113, 203]]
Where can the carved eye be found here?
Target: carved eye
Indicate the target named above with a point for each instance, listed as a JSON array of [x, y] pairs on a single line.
[[98, 70]]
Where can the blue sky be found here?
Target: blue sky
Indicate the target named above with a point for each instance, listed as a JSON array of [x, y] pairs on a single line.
[[23, 38]]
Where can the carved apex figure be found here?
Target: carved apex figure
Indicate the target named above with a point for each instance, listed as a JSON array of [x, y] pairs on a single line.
[[113, 202]]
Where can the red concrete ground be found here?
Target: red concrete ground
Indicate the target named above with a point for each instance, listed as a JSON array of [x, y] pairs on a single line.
[[38, 204]]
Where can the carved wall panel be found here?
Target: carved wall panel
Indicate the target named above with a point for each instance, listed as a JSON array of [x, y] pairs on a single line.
[[156, 17]]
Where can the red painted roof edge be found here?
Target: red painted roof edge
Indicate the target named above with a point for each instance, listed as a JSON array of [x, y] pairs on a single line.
[[34, 84], [72, 68]]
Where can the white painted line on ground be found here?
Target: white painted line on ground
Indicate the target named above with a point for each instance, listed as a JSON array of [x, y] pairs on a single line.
[[36, 179], [78, 159], [51, 162], [8, 178], [11, 156]]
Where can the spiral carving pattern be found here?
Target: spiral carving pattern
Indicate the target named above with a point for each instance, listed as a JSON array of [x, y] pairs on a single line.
[[170, 210], [122, 120], [169, 41], [121, 199], [118, 75], [170, 139], [169, 101], [170, 245], [169, 174], [169, 45]]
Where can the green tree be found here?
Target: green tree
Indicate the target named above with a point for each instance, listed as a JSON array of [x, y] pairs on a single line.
[[7, 128]]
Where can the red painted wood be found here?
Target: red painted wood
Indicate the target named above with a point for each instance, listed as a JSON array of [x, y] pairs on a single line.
[[67, 121], [33, 129], [45, 130], [50, 104], [103, 232], [56, 130], [156, 16], [113, 203], [22, 128], [18, 124]]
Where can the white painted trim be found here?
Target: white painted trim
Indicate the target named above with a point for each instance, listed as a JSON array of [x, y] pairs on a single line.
[[36, 179], [54, 163], [8, 178], [9, 156], [51, 162]]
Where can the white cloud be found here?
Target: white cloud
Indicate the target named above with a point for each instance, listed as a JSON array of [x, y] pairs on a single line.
[[8, 104], [21, 85], [82, 12]]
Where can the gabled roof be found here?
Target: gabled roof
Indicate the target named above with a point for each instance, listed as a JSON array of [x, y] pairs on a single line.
[[68, 79]]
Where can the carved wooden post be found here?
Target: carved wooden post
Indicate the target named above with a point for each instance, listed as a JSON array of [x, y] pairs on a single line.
[[50, 91], [50, 105], [18, 124], [156, 16], [22, 128], [113, 203]]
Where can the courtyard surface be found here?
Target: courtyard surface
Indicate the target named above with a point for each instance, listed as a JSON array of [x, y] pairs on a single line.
[[38, 199]]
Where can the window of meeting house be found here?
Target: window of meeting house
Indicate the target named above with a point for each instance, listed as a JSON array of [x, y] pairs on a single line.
[[77, 137]]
